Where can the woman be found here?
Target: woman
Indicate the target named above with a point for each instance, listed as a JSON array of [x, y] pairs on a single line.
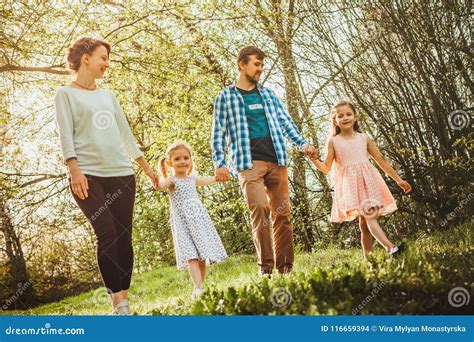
[[97, 145]]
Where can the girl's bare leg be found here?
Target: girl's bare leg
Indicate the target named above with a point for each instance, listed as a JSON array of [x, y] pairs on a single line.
[[195, 273], [202, 268], [378, 233], [365, 236]]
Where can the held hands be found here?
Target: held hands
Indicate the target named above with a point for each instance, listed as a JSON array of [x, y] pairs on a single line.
[[310, 151], [148, 170], [404, 185], [222, 174], [153, 177]]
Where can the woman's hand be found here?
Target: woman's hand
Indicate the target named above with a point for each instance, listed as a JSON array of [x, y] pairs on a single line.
[[148, 171], [153, 177], [79, 184]]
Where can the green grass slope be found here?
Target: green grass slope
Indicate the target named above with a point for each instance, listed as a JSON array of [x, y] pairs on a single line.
[[427, 279]]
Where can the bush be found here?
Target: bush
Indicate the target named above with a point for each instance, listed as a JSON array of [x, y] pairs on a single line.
[[418, 282]]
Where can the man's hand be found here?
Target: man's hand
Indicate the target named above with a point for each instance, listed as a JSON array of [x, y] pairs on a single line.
[[310, 151], [222, 174]]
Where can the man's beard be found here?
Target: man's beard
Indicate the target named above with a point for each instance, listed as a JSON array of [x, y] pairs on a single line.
[[252, 79]]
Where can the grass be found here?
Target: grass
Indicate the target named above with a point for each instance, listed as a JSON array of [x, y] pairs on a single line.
[[329, 281]]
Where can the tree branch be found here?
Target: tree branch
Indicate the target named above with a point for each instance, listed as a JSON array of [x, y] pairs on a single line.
[[49, 69]]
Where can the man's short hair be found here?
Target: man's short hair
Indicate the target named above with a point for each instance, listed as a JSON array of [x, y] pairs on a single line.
[[246, 52]]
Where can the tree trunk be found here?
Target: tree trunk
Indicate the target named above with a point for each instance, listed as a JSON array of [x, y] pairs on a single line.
[[21, 294], [282, 36]]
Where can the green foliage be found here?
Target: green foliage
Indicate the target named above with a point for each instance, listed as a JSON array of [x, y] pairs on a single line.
[[167, 64], [416, 283], [329, 281]]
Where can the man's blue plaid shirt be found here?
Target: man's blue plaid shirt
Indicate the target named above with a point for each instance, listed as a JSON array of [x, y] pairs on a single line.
[[230, 125]]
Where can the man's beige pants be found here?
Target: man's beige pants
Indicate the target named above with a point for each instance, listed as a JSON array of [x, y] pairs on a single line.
[[265, 188]]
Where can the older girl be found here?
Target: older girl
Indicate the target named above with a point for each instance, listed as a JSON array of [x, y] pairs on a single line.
[[360, 191]]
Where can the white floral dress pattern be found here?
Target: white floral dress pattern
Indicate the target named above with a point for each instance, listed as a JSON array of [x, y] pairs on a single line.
[[194, 234]]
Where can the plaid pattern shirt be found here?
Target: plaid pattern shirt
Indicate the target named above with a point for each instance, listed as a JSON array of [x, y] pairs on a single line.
[[230, 125]]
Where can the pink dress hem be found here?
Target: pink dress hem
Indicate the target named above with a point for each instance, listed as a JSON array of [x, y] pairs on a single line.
[[358, 186]]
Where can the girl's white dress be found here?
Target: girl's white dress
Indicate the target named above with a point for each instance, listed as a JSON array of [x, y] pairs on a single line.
[[194, 234]]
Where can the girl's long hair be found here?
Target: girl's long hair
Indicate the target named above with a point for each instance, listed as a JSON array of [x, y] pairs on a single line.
[[180, 144], [336, 129]]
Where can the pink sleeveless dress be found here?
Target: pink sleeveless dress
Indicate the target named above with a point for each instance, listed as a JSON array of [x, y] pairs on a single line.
[[359, 188]]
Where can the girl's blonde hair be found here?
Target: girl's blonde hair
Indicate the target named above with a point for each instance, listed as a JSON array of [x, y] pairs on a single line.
[[336, 129], [177, 145]]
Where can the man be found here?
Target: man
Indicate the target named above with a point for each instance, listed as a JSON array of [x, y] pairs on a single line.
[[253, 122]]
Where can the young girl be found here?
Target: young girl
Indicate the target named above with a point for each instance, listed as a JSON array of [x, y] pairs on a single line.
[[360, 190], [195, 238]]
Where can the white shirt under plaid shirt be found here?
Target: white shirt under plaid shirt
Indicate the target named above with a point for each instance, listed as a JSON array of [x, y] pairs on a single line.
[[230, 125]]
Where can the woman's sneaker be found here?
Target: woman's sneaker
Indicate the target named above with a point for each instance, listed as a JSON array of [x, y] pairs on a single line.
[[127, 307], [265, 273], [122, 309], [397, 250]]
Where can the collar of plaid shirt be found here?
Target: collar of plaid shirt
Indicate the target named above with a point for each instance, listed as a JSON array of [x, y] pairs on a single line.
[[230, 128]]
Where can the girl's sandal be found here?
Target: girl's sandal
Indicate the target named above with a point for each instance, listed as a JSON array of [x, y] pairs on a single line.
[[398, 250]]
